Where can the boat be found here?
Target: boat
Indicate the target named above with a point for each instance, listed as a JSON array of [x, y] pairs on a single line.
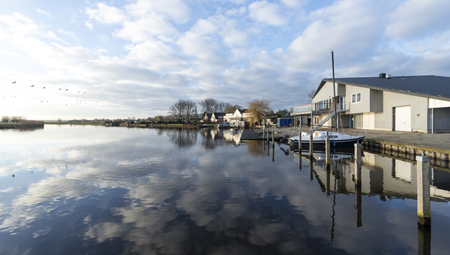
[[319, 139]]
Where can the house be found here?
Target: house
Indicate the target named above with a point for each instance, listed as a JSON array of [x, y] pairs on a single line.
[[395, 103], [214, 117], [236, 117]]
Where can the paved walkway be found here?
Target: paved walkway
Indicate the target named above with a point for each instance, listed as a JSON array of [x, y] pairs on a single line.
[[432, 141]]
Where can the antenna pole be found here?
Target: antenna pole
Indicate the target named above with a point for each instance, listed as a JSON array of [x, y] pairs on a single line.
[[334, 88]]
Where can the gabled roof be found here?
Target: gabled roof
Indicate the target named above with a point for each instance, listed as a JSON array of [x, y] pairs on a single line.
[[427, 85]]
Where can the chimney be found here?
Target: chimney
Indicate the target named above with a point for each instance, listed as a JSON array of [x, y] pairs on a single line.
[[382, 75]]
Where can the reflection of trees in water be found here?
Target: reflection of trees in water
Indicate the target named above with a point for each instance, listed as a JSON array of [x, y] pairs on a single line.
[[256, 148], [212, 138], [29, 129], [182, 137]]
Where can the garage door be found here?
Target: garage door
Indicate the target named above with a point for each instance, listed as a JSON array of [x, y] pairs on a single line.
[[403, 118]]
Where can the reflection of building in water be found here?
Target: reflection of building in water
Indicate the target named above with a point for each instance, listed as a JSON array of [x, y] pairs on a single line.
[[212, 138], [230, 137], [383, 176]]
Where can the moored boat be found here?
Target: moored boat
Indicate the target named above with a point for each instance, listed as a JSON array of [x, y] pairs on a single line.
[[319, 139]]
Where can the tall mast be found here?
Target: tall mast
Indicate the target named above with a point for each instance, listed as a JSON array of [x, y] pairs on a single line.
[[334, 88]]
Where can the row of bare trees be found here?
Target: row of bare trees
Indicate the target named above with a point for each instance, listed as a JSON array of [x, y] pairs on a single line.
[[187, 109], [13, 119]]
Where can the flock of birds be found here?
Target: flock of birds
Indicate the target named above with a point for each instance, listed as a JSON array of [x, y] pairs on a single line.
[[78, 101]]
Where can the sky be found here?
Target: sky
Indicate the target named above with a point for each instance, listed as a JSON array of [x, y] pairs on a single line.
[[135, 58]]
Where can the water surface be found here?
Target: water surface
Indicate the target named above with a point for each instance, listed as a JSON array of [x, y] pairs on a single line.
[[97, 190]]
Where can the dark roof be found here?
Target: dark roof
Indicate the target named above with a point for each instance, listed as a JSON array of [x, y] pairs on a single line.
[[438, 86]]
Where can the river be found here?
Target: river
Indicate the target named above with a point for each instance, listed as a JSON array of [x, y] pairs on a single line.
[[97, 190]]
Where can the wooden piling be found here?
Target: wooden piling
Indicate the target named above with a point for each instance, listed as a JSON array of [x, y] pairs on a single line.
[[423, 190], [327, 148], [357, 164], [300, 142], [311, 144]]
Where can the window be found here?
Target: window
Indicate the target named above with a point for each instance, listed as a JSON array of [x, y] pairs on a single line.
[[356, 98]]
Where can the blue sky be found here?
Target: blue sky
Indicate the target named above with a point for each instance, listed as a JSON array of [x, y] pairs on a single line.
[[118, 59]]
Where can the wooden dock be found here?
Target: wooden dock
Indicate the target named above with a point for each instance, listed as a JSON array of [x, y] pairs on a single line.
[[250, 135]]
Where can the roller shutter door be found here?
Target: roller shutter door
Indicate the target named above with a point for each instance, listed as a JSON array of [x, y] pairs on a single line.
[[403, 118]]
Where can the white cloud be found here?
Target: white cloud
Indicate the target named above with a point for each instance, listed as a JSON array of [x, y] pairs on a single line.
[[267, 13], [174, 10], [106, 14], [88, 24], [416, 18], [293, 3], [145, 28], [157, 56], [44, 12]]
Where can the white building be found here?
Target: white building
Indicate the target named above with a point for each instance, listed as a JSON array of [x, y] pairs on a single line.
[[396, 103]]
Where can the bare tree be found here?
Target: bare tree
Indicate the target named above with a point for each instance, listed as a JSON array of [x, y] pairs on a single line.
[[16, 118], [311, 94], [232, 108], [178, 108], [6, 119], [208, 105], [259, 108], [190, 109], [159, 118]]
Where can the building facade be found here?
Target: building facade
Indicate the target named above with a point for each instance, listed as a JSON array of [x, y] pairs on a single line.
[[394, 103]]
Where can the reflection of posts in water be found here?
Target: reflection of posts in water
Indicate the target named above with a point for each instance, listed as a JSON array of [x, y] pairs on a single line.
[[311, 144], [273, 153], [357, 164], [423, 190], [299, 160], [358, 208], [311, 177], [424, 240], [327, 188], [327, 148]]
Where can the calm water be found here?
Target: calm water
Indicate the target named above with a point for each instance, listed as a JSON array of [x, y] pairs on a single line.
[[97, 190]]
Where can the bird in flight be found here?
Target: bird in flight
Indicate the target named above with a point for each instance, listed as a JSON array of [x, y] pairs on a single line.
[[60, 88], [43, 88], [67, 89], [32, 85], [14, 82]]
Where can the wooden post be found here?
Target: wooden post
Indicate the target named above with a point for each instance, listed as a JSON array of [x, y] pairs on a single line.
[[300, 142], [264, 134], [311, 176], [327, 148], [311, 144], [327, 187], [273, 139], [423, 190], [357, 164]]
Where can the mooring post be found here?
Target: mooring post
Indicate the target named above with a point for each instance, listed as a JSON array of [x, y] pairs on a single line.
[[357, 164], [311, 176], [311, 144], [423, 190], [264, 133], [273, 139], [300, 142], [327, 145]]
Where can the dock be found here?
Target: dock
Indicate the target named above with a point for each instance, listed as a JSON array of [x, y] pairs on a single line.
[[248, 134]]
